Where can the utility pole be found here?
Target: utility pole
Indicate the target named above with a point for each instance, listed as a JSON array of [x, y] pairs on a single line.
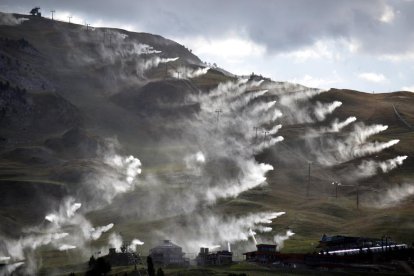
[[357, 196], [69, 17], [309, 178], [184, 69], [336, 188], [218, 111], [87, 26], [52, 11], [166, 70], [256, 129], [265, 134]]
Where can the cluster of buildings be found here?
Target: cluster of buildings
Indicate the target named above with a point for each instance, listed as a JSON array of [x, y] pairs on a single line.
[[169, 254], [206, 258], [333, 251]]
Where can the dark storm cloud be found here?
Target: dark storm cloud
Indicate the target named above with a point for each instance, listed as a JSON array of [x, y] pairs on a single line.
[[279, 25]]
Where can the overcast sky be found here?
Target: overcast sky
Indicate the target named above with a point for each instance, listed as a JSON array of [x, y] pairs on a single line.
[[366, 45]]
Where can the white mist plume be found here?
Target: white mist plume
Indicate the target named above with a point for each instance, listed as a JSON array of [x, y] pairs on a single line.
[[267, 143], [253, 235], [274, 129], [133, 246], [65, 247], [297, 107], [97, 232], [392, 163], [370, 148], [209, 229], [229, 95], [246, 99], [66, 211], [16, 248], [337, 126], [280, 239], [291, 97], [394, 196], [113, 48], [361, 132], [253, 177], [117, 178], [353, 145], [228, 89], [152, 63], [188, 73], [257, 109], [195, 161], [115, 241], [10, 20], [370, 167], [81, 231], [120, 173], [9, 269], [322, 110], [3, 258]]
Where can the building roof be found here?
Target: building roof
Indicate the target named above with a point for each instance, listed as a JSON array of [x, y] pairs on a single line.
[[167, 244], [265, 245]]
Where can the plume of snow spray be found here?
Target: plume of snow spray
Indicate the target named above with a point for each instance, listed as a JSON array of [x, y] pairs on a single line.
[[322, 110], [9, 269], [354, 145], [115, 241], [274, 129], [289, 98], [338, 126], [370, 167], [188, 73], [253, 235], [152, 63], [10, 20], [118, 178], [335, 126], [134, 243], [209, 229], [280, 239], [65, 247], [393, 196], [97, 232], [370, 148], [66, 211]]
